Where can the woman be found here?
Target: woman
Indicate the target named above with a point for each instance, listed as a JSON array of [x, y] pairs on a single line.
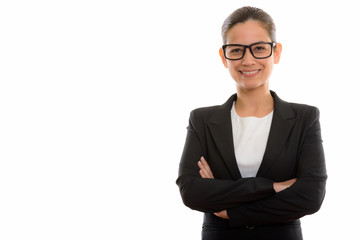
[[255, 164]]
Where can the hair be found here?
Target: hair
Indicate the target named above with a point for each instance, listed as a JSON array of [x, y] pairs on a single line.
[[245, 14]]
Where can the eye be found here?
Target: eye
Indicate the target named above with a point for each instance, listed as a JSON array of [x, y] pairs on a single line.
[[260, 48], [234, 50]]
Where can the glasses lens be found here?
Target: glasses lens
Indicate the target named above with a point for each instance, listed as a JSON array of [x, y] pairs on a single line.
[[261, 50], [234, 52]]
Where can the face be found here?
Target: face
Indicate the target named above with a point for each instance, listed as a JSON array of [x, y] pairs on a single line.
[[250, 73]]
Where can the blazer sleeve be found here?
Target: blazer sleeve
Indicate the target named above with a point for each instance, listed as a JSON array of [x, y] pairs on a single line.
[[302, 198], [213, 195]]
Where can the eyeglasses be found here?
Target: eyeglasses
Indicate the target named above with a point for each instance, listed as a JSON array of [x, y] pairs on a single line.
[[259, 50]]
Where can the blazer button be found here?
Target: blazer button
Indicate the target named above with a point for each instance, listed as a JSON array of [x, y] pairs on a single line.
[[250, 227]]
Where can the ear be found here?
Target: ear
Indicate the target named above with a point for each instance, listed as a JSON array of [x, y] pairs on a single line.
[[223, 59], [277, 53]]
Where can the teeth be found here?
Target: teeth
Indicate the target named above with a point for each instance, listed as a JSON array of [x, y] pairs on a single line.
[[247, 73]]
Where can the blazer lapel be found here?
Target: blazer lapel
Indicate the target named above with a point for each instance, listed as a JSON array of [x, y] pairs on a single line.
[[221, 131], [281, 126]]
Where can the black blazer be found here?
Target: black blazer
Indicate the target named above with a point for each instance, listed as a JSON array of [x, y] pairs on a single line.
[[294, 150]]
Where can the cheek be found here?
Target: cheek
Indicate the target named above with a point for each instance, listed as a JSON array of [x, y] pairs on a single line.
[[267, 65], [233, 65]]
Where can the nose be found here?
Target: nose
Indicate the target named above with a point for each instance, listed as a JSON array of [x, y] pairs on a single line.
[[248, 58]]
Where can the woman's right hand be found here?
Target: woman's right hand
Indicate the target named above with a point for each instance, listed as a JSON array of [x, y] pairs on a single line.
[[280, 186], [206, 172]]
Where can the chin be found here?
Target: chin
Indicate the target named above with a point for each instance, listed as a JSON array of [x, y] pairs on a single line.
[[251, 86]]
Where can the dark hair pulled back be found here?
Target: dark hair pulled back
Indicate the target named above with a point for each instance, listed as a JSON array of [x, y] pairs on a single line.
[[244, 14]]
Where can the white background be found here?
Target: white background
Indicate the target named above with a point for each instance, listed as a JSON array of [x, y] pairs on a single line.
[[95, 97]]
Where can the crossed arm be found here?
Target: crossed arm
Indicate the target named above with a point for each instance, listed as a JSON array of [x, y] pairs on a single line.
[[253, 201], [205, 172]]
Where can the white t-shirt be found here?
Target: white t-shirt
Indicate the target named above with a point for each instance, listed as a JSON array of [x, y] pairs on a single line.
[[250, 135]]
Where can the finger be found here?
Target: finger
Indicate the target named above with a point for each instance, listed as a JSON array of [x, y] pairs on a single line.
[[201, 166], [205, 164], [202, 174], [222, 214], [203, 171], [219, 214], [207, 167], [292, 181], [202, 159]]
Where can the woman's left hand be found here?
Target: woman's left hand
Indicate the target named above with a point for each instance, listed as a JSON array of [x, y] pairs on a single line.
[[205, 172]]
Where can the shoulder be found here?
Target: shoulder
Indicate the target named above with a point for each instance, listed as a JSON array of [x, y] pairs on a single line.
[[205, 113], [297, 110], [200, 116], [300, 108], [306, 114]]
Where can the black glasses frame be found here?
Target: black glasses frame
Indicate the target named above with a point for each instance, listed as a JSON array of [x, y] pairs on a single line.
[[273, 44]]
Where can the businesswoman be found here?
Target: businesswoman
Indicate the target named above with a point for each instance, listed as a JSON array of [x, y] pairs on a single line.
[[254, 165]]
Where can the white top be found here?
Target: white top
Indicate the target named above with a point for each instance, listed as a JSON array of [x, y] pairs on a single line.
[[250, 135]]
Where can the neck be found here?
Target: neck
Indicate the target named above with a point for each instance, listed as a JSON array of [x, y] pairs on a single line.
[[254, 102]]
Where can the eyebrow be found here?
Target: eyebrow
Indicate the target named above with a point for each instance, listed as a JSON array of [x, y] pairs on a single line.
[[238, 44]]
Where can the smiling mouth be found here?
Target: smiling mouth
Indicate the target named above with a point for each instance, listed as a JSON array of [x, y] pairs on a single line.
[[250, 73]]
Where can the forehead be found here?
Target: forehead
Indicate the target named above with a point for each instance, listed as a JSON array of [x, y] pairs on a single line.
[[247, 33]]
